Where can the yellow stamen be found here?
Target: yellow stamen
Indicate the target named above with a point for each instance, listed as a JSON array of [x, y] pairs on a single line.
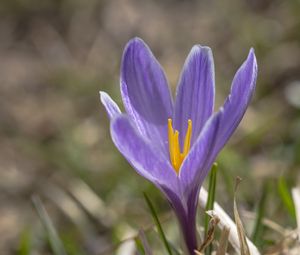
[[171, 141], [176, 157], [176, 150], [187, 140]]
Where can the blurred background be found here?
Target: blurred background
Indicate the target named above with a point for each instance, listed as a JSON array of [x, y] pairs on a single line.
[[55, 56]]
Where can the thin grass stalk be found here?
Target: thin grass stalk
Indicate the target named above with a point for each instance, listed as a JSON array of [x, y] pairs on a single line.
[[286, 198], [210, 202], [258, 228], [53, 238], [158, 225]]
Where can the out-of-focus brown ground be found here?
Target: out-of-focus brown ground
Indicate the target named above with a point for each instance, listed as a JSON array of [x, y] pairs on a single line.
[[54, 58]]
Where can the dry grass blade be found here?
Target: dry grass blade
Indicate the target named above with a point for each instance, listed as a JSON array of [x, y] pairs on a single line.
[[210, 233], [198, 253], [223, 241], [296, 199], [225, 220], [289, 244], [244, 248], [272, 225]]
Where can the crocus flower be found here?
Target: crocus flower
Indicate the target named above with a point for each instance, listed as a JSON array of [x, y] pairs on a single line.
[[174, 145]]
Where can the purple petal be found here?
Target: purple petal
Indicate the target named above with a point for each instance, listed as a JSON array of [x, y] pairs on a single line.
[[111, 107], [186, 218], [242, 90], [141, 155], [149, 164], [145, 93], [199, 160], [195, 92], [220, 127], [193, 171]]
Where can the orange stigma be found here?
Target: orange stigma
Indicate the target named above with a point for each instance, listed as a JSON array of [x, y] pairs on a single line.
[[176, 156]]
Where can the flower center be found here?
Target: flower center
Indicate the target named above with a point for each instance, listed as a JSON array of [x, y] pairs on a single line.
[[176, 156]]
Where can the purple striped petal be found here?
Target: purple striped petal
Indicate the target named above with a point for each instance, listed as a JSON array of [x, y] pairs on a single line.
[[186, 218], [141, 155], [111, 107], [199, 160], [220, 127], [195, 92], [145, 93], [193, 171], [235, 106]]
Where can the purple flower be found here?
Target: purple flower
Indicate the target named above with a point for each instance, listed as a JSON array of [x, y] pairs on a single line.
[[174, 145]]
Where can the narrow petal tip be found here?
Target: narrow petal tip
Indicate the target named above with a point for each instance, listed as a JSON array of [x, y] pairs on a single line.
[[102, 94], [252, 51], [252, 58], [111, 107], [249, 68]]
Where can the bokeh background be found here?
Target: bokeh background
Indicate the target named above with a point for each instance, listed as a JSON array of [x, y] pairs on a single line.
[[55, 56]]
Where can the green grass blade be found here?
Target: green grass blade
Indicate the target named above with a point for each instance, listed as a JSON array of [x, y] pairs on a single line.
[[25, 243], [258, 228], [53, 238], [286, 197], [71, 245], [158, 225], [210, 201], [211, 194], [139, 246]]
